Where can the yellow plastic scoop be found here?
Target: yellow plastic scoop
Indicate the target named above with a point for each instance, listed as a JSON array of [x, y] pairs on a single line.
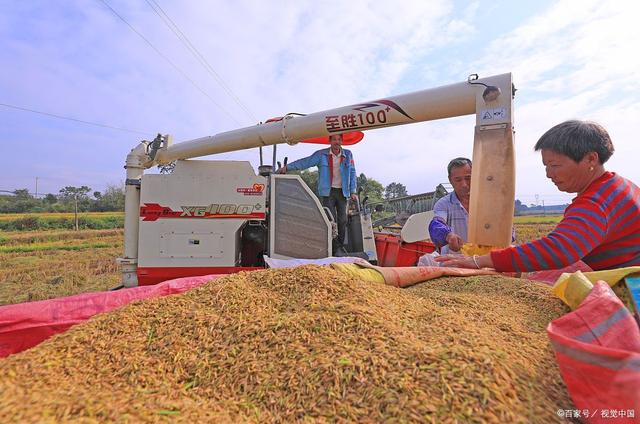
[[577, 289]]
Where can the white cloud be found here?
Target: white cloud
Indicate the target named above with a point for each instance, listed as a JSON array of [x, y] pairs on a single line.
[[77, 59], [574, 60]]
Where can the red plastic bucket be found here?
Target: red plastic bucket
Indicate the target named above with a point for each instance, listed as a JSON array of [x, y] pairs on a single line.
[[392, 251]]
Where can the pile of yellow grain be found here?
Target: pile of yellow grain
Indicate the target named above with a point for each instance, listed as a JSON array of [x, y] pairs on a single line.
[[301, 344]]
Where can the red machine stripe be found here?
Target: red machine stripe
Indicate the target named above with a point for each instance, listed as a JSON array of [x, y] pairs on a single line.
[[154, 275]]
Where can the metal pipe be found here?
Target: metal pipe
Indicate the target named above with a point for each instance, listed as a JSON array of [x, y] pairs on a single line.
[[135, 168], [273, 161], [442, 102]]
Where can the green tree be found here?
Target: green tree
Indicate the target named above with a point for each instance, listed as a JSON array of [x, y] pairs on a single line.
[[22, 194], [76, 196], [310, 178], [70, 193], [50, 199], [395, 190], [369, 187], [520, 207], [22, 201], [113, 198], [96, 205]]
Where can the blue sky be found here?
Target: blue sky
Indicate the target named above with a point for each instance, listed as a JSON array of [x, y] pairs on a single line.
[[569, 59]]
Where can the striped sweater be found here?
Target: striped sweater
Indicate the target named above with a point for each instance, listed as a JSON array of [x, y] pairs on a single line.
[[601, 226]]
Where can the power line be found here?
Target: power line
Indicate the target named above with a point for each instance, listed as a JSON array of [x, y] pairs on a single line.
[[196, 53], [170, 62], [75, 119]]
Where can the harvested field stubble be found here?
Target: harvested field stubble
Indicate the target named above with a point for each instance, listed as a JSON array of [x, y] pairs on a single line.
[[47, 264], [302, 344]]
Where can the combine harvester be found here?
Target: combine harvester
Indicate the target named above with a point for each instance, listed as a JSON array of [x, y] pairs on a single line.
[[213, 217]]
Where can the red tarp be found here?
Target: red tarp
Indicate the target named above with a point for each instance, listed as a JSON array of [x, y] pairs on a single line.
[[551, 276], [24, 325], [598, 350]]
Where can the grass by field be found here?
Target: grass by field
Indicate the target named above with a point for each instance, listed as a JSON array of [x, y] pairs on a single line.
[[58, 215], [52, 221]]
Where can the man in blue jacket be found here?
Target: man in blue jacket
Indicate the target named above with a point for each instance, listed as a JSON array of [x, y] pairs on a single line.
[[336, 179]]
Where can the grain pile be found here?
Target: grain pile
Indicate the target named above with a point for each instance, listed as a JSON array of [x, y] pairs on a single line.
[[303, 344]]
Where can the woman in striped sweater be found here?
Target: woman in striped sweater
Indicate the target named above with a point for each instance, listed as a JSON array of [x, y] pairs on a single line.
[[601, 226]]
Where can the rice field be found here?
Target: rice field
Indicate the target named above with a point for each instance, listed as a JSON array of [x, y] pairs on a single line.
[[537, 219]]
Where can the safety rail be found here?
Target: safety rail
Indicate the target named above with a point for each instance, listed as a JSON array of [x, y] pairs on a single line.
[[402, 207]]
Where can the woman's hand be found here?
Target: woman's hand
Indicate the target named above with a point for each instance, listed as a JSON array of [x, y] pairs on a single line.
[[461, 261]]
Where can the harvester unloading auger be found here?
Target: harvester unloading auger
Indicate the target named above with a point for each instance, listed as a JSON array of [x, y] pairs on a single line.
[[211, 217]]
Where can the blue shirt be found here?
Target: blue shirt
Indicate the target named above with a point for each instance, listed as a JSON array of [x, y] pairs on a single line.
[[322, 159], [449, 216]]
